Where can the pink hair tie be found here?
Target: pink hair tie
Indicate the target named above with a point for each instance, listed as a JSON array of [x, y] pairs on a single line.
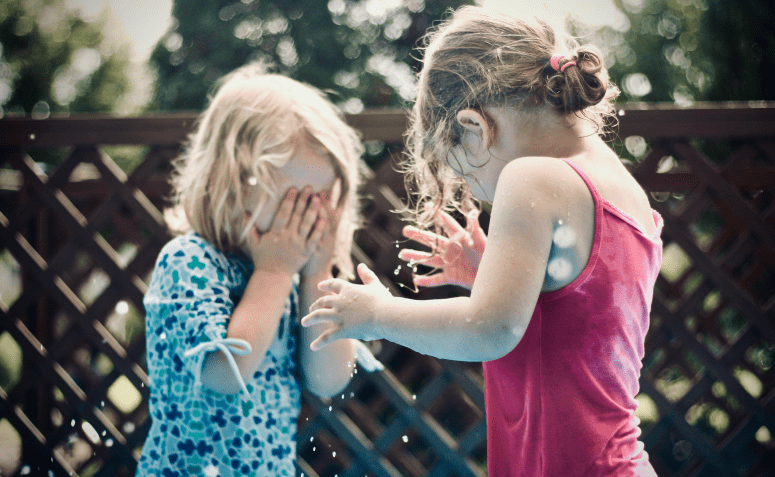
[[555, 62]]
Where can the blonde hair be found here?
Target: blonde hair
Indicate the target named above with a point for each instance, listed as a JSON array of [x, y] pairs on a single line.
[[478, 58], [251, 128]]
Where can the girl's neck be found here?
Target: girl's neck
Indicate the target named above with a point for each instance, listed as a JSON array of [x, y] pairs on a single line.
[[545, 133]]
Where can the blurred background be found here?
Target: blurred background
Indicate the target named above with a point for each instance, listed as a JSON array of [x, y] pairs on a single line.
[[128, 58]]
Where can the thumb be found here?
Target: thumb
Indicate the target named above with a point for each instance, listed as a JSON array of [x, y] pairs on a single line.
[[367, 276]]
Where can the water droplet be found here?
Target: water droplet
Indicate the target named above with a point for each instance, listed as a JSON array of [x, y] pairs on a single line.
[[103, 433], [405, 439], [349, 364], [352, 394], [314, 448], [355, 371], [414, 396], [32, 136], [564, 236], [312, 438], [621, 112], [660, 196], [395, 272], [532, 204], [102, 403], [50, 473], [108, 442], [25, 470], [559, 269], [330, 408], [333, 453], [342, 396], [252, 180], [72, 423], [554, 195], [396, 245], [559, 222], [517, 331]]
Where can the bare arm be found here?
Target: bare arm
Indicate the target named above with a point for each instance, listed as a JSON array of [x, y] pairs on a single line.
[[277, 255], [482, 327], [327, 372]]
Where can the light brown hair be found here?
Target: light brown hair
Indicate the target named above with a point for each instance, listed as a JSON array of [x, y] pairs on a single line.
[[477, 58]]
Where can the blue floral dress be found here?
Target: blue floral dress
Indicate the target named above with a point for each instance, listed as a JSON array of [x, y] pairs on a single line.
[[195, 430]]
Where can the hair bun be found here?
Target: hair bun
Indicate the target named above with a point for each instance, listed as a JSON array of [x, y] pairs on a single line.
[[580, 80]]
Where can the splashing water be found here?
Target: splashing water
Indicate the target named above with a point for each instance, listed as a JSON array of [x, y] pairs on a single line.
[[405, 439]]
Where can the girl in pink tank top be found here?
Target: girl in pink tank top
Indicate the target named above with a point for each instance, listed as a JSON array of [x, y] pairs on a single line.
[[508, 113]]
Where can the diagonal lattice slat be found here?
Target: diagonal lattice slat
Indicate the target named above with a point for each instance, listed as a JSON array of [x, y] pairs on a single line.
[[708, 383]]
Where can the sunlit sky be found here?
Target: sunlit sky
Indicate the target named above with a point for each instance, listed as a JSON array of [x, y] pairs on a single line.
[[145, 21]]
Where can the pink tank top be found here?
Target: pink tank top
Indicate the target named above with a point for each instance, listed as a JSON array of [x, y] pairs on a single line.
[[562, 402]]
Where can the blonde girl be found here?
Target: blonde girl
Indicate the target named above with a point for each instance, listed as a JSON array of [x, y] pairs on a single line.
[[268, 186], [509, 112]]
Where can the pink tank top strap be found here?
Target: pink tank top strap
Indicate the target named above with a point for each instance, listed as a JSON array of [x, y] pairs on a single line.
[[586, 179]]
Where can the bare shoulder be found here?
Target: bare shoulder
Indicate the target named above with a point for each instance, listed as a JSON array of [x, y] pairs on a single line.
[[541, 184]]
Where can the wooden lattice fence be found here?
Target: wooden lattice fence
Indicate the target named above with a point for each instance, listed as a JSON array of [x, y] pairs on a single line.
[[78, 242]]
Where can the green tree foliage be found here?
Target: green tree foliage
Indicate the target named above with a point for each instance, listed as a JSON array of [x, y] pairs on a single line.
[[52, 61], [691, 50], [360, 50]]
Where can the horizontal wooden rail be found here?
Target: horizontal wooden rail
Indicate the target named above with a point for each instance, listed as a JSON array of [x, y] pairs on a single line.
[[652, 121]]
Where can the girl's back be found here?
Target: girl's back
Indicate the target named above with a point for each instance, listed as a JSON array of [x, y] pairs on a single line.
[[562, 402]]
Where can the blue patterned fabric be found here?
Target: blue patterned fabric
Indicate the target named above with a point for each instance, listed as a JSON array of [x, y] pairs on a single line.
[[195, 430]]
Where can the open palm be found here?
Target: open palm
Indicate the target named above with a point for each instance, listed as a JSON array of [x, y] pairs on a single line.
[[456, 255]]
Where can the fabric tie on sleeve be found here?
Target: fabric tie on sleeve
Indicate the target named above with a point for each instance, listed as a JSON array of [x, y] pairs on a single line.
[[227, 346]]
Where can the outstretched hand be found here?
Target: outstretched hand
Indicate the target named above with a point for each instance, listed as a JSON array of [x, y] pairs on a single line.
[[457, 255], [350, 309]]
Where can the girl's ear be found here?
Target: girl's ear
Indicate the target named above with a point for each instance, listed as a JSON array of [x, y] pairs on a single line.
[[475, 123]]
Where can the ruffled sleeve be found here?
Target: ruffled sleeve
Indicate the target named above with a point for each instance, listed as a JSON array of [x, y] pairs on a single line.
[[188, 305]]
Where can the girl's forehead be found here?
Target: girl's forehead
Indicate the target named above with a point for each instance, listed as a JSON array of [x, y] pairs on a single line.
[[311, 166]]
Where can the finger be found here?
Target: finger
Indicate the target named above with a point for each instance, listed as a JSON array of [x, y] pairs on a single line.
[[450, 226], [299, 208], [422, 258], [367, 276], [334, 285], [325, 338], [431, 280], [310, 217], [283, 214], [317, 235], [323, 315], [474, 228], [324, 302], [425, 237]]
